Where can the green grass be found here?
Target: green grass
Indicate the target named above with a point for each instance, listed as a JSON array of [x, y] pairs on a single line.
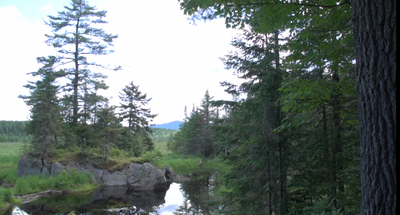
[[72, 180], [185, 165]]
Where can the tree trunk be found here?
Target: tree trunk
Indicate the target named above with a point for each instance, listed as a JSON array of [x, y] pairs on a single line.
[[374, 26], [76, 76]]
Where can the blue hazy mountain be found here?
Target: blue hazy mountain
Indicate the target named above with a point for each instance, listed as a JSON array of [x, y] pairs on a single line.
[[171, 125]]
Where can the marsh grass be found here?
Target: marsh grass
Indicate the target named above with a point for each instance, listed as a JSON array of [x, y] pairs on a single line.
[[72, 180], [185, 165]]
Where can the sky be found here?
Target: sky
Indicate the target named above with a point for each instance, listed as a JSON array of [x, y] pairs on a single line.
[[172, 60]]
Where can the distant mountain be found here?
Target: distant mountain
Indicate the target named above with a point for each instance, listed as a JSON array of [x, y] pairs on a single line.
[[171, 125]]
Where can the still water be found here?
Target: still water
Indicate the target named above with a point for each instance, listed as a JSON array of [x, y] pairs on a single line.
[[192, 197]]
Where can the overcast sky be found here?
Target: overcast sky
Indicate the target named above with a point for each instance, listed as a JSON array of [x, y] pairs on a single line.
[[171, 60]]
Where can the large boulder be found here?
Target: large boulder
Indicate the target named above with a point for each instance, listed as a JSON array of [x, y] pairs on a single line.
[[115, 179], [145, 177]]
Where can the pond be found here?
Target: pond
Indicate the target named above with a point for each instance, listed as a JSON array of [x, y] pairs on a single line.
[[192, 197]]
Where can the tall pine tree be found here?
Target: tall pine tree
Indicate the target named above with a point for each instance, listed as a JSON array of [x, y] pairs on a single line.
[[75, 36]]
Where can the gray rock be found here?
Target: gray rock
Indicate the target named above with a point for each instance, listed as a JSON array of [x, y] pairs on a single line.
[[27, 166], [96, 173], [145, 177], [115, 179], [56, 168]]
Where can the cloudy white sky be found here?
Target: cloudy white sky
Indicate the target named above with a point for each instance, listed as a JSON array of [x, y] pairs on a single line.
[[171, 60]]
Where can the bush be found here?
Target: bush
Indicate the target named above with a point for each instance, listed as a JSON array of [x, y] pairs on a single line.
[[151, 156]]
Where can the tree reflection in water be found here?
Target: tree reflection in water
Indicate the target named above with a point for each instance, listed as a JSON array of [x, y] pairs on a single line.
[[199, 194]]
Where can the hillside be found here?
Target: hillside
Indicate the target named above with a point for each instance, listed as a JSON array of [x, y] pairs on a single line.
[[171, 125]]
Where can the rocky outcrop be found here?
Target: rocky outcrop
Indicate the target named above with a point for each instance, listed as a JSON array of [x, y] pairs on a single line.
[[28, 166], [135, 176]]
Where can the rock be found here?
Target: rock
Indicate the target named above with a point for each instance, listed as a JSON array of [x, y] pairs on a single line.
[[115, 179], [96, 173], [145, 177], [56, 168], [28, 166]]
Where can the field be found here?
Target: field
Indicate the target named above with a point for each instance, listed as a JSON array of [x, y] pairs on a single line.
[[9, 156]]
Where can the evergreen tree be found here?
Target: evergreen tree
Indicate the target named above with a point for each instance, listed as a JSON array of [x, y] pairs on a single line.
[[75, 36], [195, 135], [255, 147], [109, 129], [133, 111], [45, 111]]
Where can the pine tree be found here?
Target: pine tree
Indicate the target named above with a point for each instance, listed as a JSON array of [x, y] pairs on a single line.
[[109, 129], [45, 111], [75, 36], [133, 111]]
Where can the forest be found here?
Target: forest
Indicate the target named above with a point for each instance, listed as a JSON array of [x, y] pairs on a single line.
[[315, 114], [304, 131]]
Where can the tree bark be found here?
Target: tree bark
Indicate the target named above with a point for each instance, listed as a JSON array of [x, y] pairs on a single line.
[[374, 26]]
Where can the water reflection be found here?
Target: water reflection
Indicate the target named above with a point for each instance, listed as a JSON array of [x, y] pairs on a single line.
[[199, 195], [192, 197]]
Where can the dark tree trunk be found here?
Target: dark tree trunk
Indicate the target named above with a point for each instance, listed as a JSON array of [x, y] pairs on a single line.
[[76, 76], [374, 23]]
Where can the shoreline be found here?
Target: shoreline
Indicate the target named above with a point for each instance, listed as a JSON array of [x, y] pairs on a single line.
[[48, 193]]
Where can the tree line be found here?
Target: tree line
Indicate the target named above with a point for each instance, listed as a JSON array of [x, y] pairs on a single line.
[[310, 97], [66, 109], [13, 131]]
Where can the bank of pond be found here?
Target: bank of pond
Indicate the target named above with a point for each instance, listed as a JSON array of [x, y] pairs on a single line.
[[196, 196]]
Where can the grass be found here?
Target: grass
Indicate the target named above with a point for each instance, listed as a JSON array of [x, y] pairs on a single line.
[[185, 165], [72, 180], [10, 153]]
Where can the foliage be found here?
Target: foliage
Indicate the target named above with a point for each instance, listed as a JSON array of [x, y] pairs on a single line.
[[194, 136], [13, 131], [132, 109], [44, 125], [290, 140], [159, 135]]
